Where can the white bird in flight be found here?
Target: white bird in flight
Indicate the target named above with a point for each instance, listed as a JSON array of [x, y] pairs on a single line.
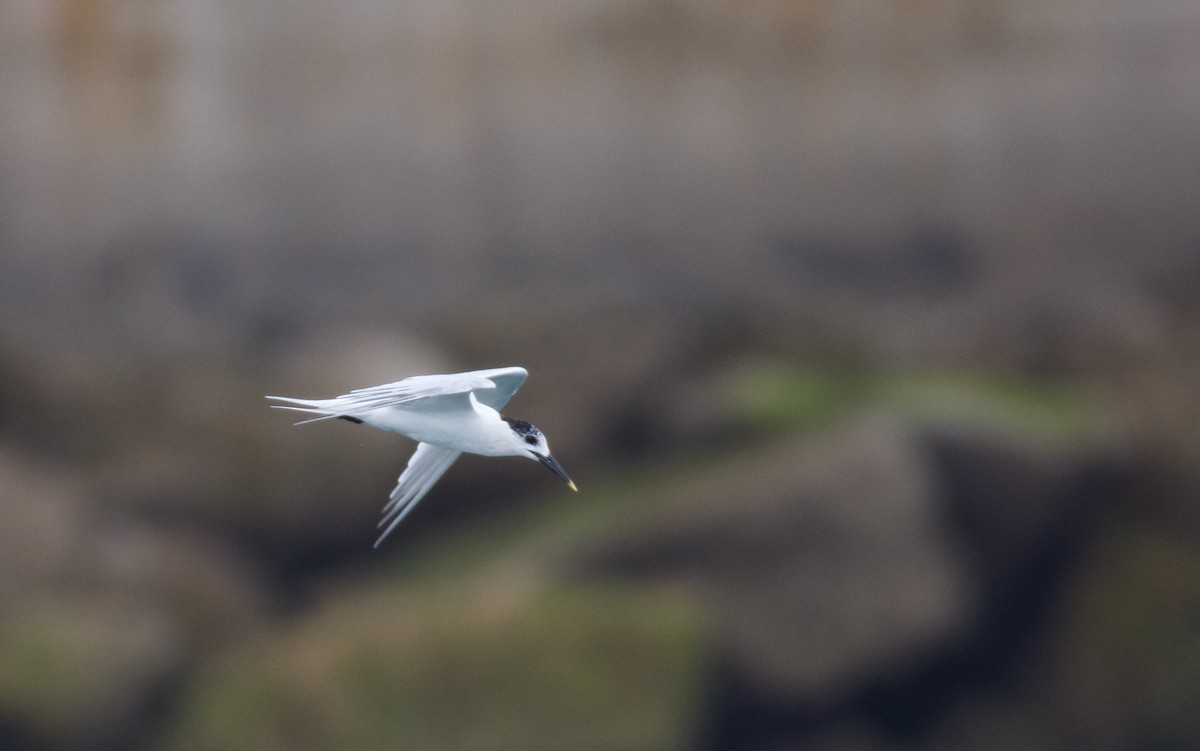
[[447, 415]]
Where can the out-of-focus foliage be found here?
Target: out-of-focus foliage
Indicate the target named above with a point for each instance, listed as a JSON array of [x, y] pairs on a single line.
[[467, 668]]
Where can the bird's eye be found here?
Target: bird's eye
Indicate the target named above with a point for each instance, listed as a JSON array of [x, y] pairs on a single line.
[[531, 440]]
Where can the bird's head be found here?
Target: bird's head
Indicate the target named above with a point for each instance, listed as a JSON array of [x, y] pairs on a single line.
[[529, 441]]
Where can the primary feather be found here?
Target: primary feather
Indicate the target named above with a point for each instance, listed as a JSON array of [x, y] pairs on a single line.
[[426, 466]]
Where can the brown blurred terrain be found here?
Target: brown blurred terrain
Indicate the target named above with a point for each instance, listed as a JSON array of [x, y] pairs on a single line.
[[870, 332]]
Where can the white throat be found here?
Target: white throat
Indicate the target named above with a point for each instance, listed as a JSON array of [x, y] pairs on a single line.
[[492, 436]]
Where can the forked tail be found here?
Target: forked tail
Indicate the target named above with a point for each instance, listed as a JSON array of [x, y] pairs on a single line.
[[324, 409]]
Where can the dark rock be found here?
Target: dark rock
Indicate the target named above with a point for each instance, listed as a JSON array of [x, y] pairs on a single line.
[[876, 575], [823, 563]]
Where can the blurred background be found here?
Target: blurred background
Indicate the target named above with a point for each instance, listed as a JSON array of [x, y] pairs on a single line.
[[869, 331]]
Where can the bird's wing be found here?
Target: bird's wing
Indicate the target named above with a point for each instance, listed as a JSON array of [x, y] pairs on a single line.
[[506, 380], [491, 387], [427, 464]]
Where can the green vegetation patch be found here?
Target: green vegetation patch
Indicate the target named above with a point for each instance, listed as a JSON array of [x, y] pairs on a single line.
[[775, 396], [65, 663], [576, 669], [778, 397]]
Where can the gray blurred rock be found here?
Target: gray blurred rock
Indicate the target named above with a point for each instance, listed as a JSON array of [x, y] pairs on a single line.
[[100, 613], [45, 513], [822, 562], [839, 563]]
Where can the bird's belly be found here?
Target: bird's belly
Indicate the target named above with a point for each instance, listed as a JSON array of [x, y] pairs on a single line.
[[432, 428]]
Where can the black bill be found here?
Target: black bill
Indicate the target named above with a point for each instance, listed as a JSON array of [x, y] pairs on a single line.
[[557, 469]]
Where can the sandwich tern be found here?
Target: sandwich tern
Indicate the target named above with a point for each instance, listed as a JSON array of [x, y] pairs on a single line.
[[447, 415]]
